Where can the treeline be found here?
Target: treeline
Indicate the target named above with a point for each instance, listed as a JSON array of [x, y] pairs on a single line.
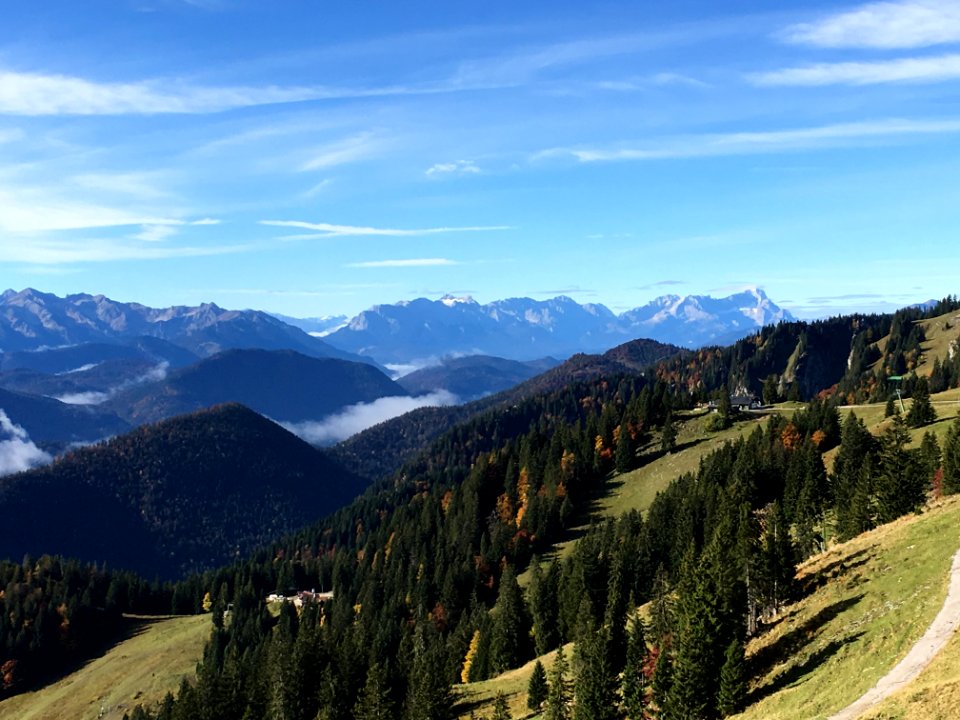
[[55, 613]]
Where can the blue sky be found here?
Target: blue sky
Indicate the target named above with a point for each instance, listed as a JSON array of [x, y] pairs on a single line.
[[317, 158]]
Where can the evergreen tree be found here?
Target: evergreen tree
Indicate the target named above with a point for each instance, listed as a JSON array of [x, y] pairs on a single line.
[[662, 684], [900, 486], [509, 624], [921, 409], [375, 702], [951, 459], [429, 696], [696, 672], [501, 710], [558, 698], [733, 680], [625, 450], [538, 688], [634, 674], [668, 436], [596, 684], [929, 456], [543, 593], [891, 408]]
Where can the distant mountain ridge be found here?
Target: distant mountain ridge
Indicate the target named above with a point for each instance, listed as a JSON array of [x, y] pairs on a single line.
[[31, 320], [525, 329]]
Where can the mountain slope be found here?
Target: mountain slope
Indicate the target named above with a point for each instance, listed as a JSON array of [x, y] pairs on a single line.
[[30, 320], [473, 376], [522, 328], [48, 420], [281, 384], [192, 492]]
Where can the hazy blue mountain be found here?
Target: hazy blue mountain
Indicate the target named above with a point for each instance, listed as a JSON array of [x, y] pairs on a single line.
[[47, 421], [473, 376], [32, 320], [281, 384], [316, 326], [523, 329]]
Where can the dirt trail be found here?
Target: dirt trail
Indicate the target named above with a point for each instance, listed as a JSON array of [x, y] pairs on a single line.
[[920, 655]]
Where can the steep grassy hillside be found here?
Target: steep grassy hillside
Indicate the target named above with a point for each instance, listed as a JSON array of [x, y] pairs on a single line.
[[152, 661], [865, 603]]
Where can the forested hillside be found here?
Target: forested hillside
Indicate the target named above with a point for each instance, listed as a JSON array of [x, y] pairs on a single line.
[[183, 495], [424, 570]]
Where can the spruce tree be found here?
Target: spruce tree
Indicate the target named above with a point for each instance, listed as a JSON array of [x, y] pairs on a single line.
[[501, 711], [595, 688], [558, 698], [951, 459], [900, 486], [538, 688], [921, 409], [696, 671], [733, 680], [509, 624], [375, 702], [662, 684], [634, 674], [625, 450]]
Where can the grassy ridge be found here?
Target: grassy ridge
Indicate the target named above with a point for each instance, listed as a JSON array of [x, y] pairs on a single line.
[[157, 655]]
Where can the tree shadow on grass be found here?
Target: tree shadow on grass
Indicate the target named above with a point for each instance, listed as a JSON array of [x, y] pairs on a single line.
[[838, 568], [797, 672], [793, 641]]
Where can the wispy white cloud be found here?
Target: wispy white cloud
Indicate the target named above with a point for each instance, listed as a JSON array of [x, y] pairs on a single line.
[[47, 251], [140, 185], [157, 373], [323, 230], [904, 24], [356, 418], [657, 80], [47, 94], [155, 233], [742, 143], [460, 167], [316, 189], [901, 70], [348, 150], [413, 262]]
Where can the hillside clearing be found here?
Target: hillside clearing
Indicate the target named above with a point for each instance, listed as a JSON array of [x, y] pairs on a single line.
[[140, 670]]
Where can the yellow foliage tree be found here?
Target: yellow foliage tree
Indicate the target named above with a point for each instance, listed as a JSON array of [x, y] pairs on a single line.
[[468, 659], [207, 602]]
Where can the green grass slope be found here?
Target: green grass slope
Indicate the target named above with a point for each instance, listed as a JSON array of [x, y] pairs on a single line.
[[159, 653]]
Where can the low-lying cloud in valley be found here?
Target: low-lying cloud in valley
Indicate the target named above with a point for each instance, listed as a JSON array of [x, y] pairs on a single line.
[[17, 451], [355, 418], [96, 397]]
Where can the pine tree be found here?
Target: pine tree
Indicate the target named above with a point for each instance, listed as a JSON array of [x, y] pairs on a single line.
[[501, 711], [596, 684], [662, 684], [538, 688], [625, 450], [509, 624], [558, 698], [543, 593], [733, 680], [696, 671], [929, 456], [375, 702], [900, 486], [668, 437], [890, 409], [921, 409], [951, 459], [634, 674]]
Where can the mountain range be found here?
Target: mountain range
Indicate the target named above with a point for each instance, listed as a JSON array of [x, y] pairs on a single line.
[[526, 329], [36, 321]]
